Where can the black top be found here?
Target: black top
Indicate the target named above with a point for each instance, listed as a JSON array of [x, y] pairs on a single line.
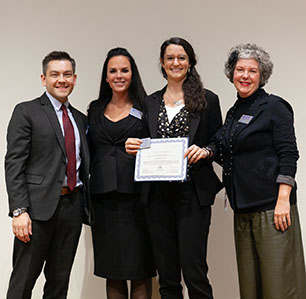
[[114, 128], [257, 152], [244, 104]]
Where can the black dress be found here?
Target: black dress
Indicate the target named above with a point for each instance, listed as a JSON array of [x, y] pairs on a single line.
[[122, 248]]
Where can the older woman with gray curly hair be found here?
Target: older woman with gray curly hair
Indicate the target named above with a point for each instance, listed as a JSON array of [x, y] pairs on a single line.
[[258, 152]]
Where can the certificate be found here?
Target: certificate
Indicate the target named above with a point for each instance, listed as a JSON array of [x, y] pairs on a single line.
[[163, 160]]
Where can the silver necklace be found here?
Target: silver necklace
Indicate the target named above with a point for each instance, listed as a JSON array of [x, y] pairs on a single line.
[[178, 102]]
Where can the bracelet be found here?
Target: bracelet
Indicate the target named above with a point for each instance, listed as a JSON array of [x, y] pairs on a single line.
[[209, 151]]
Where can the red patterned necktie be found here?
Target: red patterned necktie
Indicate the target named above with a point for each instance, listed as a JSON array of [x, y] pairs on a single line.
[[70, 149]]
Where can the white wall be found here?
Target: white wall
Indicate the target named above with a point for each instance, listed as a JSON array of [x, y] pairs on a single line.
[[88, 29]]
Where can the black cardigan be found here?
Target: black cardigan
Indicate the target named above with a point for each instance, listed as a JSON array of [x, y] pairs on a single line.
[[263, 153]]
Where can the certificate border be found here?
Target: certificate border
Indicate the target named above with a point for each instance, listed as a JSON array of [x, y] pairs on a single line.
[[181, 177]]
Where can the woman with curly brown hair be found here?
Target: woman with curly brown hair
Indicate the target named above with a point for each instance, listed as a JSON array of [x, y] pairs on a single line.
[[178, 213]]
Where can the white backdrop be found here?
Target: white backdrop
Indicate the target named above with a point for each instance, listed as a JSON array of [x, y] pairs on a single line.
[[88, 29]]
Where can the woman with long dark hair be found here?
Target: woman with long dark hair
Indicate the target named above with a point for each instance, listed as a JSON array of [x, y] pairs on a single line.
[[122, 249], [178, 213]]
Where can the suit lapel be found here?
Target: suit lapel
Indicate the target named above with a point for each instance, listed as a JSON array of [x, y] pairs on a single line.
[[129, 124], [153, 110], [84, 168], [49, 110], [194, 123], [99, 121], [83, 138]]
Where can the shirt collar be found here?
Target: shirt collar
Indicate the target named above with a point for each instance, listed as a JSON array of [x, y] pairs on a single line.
[[56, 103]]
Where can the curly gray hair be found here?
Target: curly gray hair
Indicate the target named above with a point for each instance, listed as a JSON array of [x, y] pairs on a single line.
[[249, 51]]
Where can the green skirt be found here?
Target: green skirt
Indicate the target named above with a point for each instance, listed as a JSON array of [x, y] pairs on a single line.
[[270, 262]]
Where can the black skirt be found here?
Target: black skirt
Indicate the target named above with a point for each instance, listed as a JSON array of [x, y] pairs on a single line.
[[122, 247]]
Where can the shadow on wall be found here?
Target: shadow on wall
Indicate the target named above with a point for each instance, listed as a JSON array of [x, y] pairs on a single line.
[[94, 287], [221, 255], [155, 292]]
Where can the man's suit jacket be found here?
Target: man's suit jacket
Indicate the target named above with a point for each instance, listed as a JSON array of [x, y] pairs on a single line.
[[203, 126], [35, 161], [112, 168]]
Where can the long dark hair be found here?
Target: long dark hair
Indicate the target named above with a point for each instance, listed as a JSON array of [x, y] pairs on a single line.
[[136, 90], [194, 94]]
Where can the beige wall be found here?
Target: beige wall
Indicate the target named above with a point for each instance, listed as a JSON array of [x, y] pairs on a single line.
[[88, 29]]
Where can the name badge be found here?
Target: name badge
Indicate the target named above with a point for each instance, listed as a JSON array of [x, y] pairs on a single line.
[[136, 113], [245, 119], [146, 143]]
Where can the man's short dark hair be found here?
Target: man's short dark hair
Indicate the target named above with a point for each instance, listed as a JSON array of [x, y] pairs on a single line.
[[57, 55]]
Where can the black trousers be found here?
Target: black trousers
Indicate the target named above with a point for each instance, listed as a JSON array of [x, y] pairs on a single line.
[[53, 246], [179, 228]]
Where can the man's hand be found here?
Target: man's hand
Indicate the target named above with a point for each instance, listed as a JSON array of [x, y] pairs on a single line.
[[22, 227]]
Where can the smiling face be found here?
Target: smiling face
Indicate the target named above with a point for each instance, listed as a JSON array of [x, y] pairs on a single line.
[[119, 74], [59, 79], [175, 63], [246, 77]]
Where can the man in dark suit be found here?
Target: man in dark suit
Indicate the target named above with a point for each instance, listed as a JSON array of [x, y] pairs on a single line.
[[47, 171]]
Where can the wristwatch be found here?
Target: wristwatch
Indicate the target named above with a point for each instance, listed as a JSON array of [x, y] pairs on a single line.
[[19, 211]]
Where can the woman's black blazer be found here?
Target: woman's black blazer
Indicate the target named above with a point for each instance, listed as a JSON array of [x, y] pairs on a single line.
[[112, 169], [264, 152], [203, 127]]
